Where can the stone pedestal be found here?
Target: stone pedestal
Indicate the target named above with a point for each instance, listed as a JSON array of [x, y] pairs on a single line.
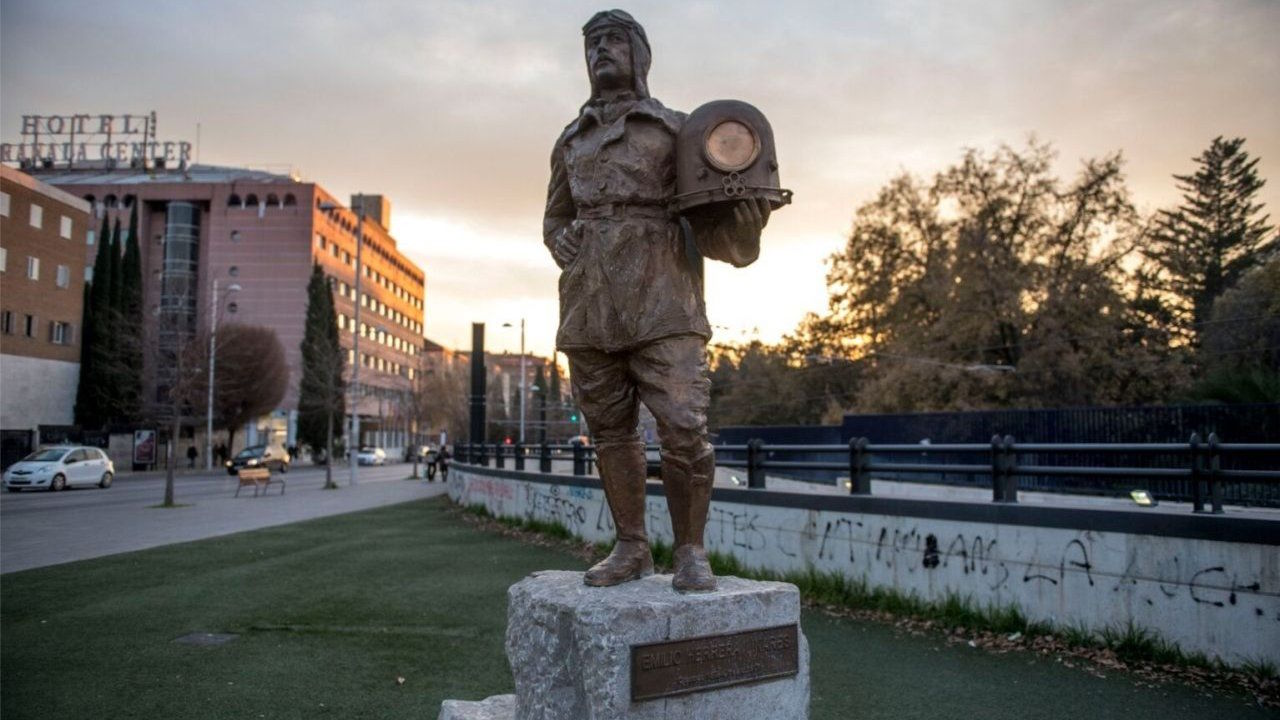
[[733, 653]]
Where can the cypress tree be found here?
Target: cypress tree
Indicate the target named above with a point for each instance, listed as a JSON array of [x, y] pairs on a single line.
[[555, 382], [130, 330], [117, 267], [1215, 236], [92, 396], [102, 268], [111, 372], [321, 389]]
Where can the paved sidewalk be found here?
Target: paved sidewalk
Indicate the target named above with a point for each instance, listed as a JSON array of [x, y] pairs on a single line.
[[40, 529]]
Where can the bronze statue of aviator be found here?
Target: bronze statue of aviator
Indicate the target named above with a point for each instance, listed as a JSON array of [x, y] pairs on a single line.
[[633, 325]]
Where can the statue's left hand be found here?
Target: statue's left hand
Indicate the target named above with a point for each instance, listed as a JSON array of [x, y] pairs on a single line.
[[750, 217]]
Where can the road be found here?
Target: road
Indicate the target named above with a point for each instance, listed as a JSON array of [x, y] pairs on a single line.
[[46, 528]]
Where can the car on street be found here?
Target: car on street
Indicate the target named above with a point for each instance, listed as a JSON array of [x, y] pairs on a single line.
[[272, 457], [59, 467], [371, 456]]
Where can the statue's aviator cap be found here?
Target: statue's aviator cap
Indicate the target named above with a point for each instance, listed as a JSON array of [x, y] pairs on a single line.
[[619, 18]]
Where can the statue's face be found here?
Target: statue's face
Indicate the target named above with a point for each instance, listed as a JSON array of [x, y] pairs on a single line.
[[609, 58]]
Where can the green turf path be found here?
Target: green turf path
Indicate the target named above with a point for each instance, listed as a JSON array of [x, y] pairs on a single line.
[[332, 611]]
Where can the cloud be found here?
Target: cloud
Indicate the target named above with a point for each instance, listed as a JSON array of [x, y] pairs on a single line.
[[450, 107]]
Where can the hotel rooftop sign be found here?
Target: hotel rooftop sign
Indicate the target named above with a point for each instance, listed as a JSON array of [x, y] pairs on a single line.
[[66, 141]]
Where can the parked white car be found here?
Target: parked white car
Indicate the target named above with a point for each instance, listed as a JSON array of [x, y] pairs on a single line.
[[60, 467], [371, 456]]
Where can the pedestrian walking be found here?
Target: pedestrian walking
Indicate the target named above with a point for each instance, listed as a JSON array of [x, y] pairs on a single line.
[[442, 459], [192, 454]]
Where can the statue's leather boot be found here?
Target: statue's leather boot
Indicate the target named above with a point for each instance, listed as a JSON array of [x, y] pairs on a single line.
[[688, 488], [622, 472]]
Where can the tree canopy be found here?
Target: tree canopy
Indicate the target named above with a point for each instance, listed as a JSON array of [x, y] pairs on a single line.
[[997, 283]]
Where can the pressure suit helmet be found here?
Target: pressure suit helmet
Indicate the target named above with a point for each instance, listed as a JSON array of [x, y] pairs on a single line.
[[725, 153]]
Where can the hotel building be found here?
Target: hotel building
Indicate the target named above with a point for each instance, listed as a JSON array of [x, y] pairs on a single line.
[[256, 235]]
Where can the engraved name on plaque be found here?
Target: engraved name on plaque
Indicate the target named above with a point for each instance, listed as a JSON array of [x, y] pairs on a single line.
[[715, 661]]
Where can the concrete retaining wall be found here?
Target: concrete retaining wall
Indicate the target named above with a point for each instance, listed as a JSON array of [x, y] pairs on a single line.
[[1207, 594]]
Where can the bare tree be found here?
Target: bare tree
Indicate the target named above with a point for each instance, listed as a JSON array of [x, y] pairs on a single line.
[[251, 380], [440, 396]]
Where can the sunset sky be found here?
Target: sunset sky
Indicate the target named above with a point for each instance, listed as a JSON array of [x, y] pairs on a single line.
[[450, 109]]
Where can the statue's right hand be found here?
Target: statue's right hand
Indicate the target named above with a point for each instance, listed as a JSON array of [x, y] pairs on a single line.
[[568, 243]]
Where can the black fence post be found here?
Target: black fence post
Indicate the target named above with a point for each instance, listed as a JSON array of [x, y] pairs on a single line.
[[1004, 486], [1215, 466], [859, 459], [499, 453], [519, 456], [1197, 474], [755, 464], [1010, 463], [544, 457], [579, 458]]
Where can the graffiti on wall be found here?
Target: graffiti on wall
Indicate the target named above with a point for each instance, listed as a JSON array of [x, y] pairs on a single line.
[[1060, 571]]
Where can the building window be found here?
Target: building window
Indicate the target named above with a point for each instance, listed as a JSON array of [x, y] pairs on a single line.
[[33, 268], [64, 276], [4, 204], [233, 200], [251, 200], [29, 325], [37, 216], [88, 273], [234, 271], [60, 333], [290, 200], [65, 227], [272, 200], [6, 322], [90, 237], [4, 259]]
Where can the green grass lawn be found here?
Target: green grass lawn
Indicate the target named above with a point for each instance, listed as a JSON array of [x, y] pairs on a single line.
[[331, 612]]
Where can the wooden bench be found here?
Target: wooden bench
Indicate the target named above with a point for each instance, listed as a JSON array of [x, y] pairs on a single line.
[[259, 477]]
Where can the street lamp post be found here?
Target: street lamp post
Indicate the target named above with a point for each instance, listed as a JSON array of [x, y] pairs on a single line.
[[522, 376], [354, 453], [213, 356]]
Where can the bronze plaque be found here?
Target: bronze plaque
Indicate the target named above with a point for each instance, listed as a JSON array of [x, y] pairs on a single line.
[[715, 661]]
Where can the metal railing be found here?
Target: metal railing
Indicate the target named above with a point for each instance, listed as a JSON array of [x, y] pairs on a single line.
[[1198, 462]]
